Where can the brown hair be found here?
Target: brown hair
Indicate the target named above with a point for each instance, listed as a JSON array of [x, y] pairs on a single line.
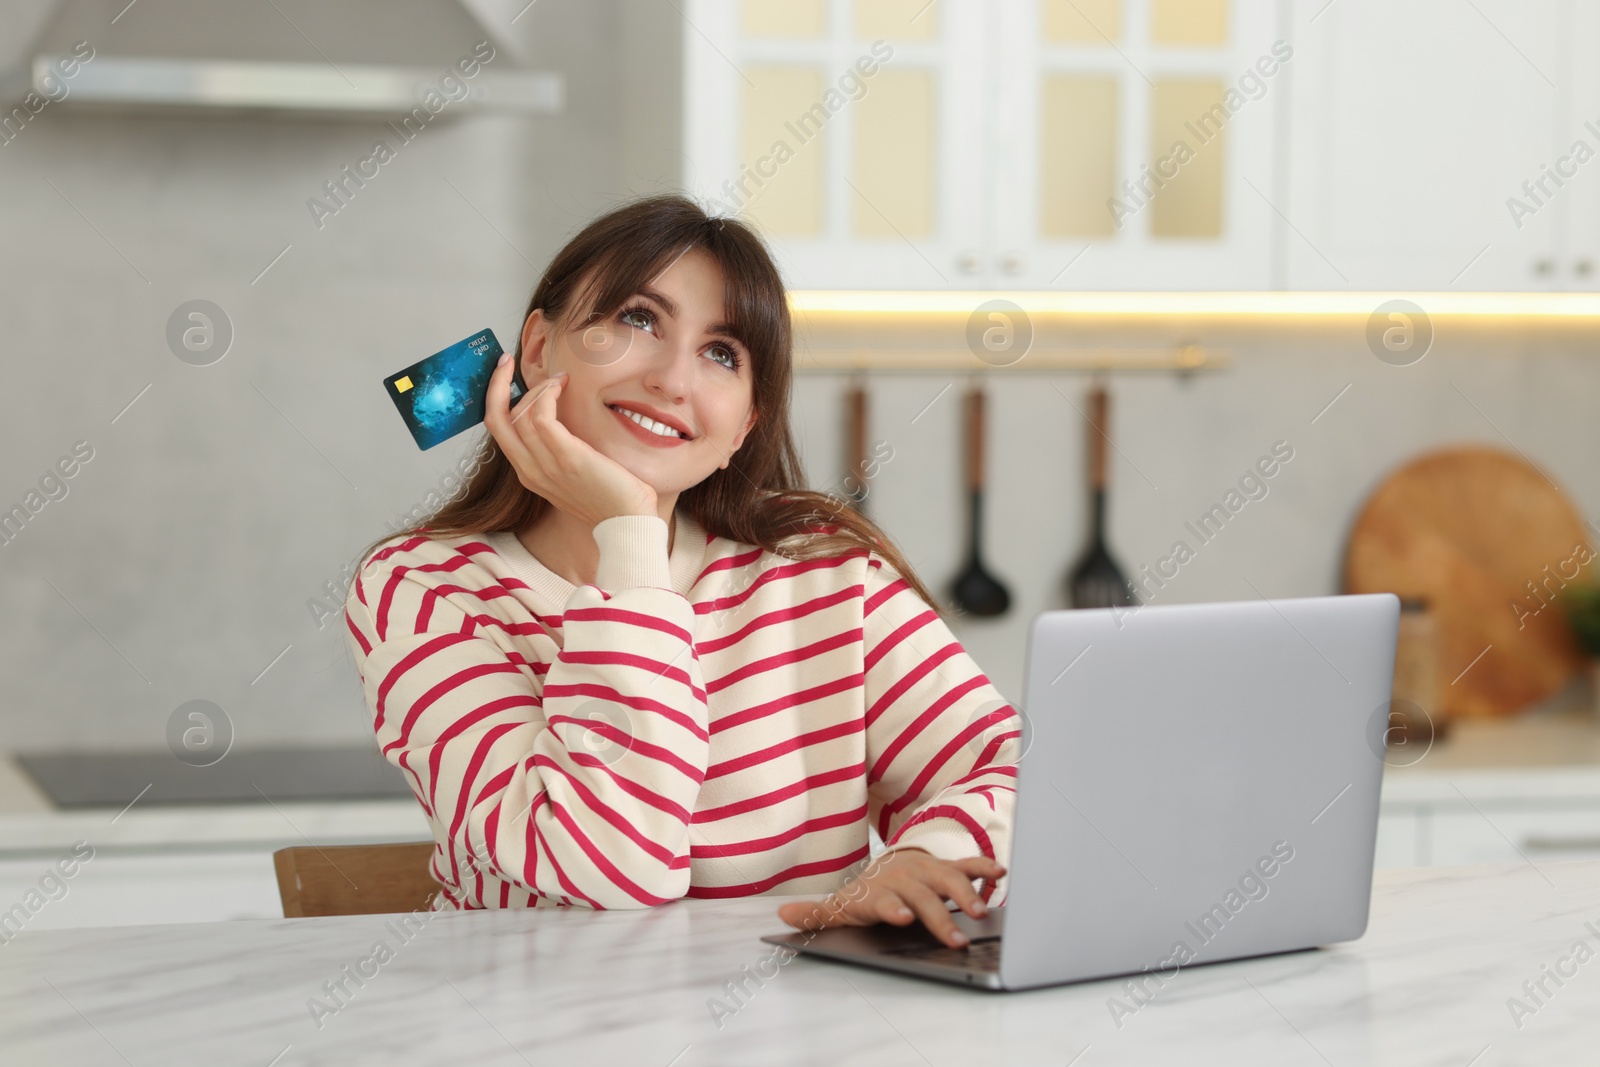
[[760, 497]]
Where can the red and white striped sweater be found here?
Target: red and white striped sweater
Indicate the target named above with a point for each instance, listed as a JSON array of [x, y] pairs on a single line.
[[718, 721]]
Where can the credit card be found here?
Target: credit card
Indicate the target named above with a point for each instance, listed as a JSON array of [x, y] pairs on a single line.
[[442, 395]]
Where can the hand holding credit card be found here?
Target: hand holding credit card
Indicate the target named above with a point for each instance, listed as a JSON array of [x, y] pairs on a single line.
[[442, 395], [559, 466]]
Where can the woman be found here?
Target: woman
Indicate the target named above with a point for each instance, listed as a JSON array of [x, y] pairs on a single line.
[[634, 660]]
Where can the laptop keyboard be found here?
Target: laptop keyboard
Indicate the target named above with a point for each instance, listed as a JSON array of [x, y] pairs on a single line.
[[982, 954]]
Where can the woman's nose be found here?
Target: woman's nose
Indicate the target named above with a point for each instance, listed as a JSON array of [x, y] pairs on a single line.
[[669, 370]]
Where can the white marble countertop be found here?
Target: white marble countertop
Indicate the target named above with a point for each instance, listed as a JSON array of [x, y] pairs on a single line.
[[1428, 984]]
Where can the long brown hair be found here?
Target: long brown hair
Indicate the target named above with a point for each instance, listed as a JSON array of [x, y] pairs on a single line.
[[760, 497]]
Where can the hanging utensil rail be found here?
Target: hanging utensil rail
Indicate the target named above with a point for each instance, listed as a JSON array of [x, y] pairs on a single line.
[[1181, 359]]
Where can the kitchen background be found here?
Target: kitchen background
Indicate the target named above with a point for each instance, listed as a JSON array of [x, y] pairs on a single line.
[[221, 491]]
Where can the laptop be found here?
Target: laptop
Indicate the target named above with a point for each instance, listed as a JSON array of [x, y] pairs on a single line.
[[1199, 783]]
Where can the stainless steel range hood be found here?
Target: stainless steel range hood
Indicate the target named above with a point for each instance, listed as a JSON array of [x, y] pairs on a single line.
[[328, 58], [352, 90]]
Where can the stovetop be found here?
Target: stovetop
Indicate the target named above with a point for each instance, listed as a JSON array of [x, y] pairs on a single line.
[[276, 775]]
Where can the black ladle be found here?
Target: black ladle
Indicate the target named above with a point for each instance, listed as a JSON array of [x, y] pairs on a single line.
[[976, 591]]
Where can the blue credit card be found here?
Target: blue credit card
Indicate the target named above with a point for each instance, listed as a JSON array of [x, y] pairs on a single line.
[[442, 395]]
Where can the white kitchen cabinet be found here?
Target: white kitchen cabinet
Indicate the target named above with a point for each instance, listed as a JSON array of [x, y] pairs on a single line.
[[1517, 790], [1398, 835], [1456, 814], [1575, 254], [1414, 122], [1137, 154], [133, 889], [990, 144], [1386, 145], [1447, 834], [849, 131], [1512, 835]]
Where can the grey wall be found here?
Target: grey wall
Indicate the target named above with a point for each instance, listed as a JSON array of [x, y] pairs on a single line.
[[181, 560]]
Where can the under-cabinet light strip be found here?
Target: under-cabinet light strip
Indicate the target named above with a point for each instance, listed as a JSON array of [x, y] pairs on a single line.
[[1220, 304]]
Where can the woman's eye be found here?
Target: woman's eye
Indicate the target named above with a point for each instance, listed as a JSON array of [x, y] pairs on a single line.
[[727, 357], [632, 317]]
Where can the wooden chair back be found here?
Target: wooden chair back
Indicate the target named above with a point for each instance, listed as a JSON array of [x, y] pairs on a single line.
[[354, 879]]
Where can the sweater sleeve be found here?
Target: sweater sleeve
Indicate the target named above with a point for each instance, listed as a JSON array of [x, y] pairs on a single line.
[[942, 744], [577, 786]]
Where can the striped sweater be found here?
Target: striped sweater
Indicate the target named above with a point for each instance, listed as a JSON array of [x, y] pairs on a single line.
[[715, 721]]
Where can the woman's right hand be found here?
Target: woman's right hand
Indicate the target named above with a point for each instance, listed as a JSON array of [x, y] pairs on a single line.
[[549, 460]]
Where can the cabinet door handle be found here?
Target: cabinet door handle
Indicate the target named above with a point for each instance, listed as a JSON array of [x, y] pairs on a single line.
[[968, 262], [1536, 843], [1544, 266], [1583, 268]]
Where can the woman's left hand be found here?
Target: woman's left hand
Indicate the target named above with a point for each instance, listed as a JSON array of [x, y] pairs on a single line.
[[901, 887]]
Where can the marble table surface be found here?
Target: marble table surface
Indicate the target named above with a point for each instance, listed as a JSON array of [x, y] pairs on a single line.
[[1432, 982]]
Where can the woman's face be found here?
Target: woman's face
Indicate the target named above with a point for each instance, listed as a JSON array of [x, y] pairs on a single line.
[[661, 386]]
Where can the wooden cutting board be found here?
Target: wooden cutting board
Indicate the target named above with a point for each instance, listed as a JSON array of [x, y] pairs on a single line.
[[1468, 528]]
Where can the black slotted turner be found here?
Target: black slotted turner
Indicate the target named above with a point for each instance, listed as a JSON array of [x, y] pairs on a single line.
[[976, 591], [1097, 581]]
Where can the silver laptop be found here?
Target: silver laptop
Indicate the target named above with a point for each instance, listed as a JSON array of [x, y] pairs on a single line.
[[1199, 783]]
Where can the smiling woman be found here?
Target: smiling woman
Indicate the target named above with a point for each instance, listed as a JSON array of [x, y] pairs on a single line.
[[635, 660]]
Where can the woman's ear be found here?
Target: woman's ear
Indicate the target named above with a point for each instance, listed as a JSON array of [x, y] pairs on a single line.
[[738, 441], [535, 331]]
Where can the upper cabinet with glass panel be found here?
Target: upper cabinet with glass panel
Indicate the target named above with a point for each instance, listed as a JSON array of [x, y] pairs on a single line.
[[1133, 143], [1152, 144], [842, 130]]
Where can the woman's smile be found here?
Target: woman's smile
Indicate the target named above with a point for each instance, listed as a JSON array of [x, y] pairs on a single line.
[[658, 431]]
